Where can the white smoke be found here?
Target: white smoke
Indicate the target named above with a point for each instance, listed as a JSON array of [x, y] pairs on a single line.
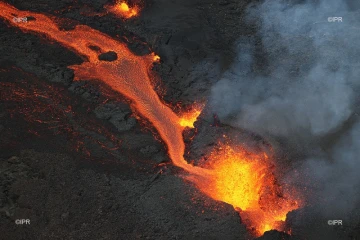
[[338, 175], [307, 91]]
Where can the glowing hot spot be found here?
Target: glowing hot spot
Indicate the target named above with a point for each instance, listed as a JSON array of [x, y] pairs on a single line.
[[189, 118], [237, 180], [156, 58], [122, 9]]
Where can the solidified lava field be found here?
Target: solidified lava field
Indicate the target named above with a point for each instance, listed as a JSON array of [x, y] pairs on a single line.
[[159, 119]]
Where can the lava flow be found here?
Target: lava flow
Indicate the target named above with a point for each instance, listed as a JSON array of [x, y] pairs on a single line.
[[234, 176]]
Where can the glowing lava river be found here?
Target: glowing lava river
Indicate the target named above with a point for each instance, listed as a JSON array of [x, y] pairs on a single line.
[[234, 176]]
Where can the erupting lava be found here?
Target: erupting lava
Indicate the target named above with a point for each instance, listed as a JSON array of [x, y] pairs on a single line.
[[234, 176], [245, 181], [122, 9], [188, 118]]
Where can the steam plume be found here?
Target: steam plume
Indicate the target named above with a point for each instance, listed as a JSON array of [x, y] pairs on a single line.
[[306, 92]]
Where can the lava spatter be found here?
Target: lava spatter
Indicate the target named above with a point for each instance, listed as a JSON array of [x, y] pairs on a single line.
[[123, 10], [238, 178], [245, 180], [188, 118]]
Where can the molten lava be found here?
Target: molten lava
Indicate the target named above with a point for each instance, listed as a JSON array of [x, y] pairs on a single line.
[[237, 180], [156, 58], [234, 176], [244, 180], [189, 118], [123, 10]]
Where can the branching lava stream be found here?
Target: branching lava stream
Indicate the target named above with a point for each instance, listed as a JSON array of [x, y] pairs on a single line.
[[235, 177]]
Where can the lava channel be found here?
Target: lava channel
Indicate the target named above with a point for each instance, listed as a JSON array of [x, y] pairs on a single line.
[[234, 177]]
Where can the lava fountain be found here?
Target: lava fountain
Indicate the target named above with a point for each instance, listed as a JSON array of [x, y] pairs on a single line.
[[123, 10], [246, 181], [241, 179]]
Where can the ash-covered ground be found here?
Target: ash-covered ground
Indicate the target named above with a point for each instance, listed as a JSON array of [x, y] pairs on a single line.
[[76, 160]]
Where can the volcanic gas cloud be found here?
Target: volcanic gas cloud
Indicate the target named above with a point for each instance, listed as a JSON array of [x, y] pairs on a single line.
[[232, 175]]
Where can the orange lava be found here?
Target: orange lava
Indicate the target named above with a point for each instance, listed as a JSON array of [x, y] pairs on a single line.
[[234, 176], [128, 74], [156, 58], [189, 118], [245, 181], [122, 9]]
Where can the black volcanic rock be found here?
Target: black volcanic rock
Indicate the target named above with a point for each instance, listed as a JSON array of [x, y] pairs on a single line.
[[108, 56], [79, 197], [274, 235]]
